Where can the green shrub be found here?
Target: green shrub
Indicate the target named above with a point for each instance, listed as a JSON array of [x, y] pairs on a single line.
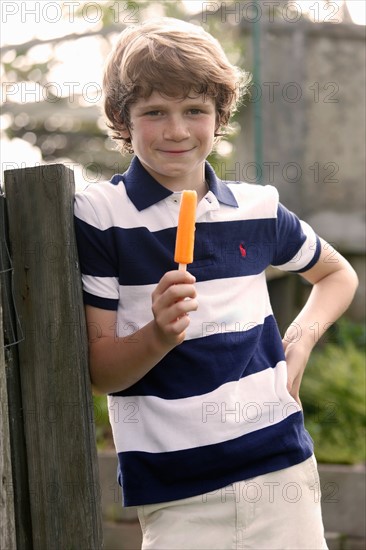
[[103, 431], [333, 396]]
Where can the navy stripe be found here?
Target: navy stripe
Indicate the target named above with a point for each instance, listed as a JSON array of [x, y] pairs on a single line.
[[290, 236], [98, 301], [97, 250], [148, 478], [201, 365], [315, 257], [222, 249]]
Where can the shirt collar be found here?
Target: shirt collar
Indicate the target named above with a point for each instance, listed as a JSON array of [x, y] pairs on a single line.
[[144, 191]]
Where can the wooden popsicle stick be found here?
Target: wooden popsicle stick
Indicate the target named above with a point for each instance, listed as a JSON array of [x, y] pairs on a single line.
[[182, 267]]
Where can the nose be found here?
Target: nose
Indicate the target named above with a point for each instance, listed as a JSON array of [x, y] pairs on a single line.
[[176, 129]]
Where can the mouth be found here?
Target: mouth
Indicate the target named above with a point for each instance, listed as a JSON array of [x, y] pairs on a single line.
[[175, 151]]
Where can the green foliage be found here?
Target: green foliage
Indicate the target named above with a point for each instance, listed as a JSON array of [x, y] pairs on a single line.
[[103, 430], [333, 396], [346, 332]]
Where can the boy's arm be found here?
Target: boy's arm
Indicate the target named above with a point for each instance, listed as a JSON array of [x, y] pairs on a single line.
[[334, 284], [116, 363]]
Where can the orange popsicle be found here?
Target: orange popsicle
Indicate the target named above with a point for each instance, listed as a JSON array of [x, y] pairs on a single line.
[[184, 243]]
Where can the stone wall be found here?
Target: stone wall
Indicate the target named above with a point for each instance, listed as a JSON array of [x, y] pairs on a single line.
[[313, 125]]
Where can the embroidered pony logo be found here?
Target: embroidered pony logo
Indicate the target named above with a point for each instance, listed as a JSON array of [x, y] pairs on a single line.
[[243, 252]]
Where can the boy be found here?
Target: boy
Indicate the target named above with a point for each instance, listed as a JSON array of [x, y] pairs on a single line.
[[203, 394]]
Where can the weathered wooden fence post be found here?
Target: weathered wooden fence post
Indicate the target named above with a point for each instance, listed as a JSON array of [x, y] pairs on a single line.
[[12, 334], [7, 515], [56, 394]]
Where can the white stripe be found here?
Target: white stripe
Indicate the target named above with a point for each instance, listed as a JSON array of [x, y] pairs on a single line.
[[254, 203], [155, 425], [104, 287], [306, 252], [224, 305], [110, 199]]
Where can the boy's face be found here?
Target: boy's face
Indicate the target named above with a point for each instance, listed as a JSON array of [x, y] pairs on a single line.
[[172, 138]]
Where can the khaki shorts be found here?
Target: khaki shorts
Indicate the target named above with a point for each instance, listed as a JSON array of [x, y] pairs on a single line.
[[276, 511]]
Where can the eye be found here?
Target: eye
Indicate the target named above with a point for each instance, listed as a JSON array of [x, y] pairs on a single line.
[[195, 111], [153, 113]]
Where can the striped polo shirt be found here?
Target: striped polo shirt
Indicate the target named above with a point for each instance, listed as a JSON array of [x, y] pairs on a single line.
[[215, 409]]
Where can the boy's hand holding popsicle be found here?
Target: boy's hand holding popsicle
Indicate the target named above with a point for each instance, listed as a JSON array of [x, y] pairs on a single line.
[[169, 305]]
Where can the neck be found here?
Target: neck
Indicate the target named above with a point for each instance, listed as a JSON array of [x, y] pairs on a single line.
[[194, 180]]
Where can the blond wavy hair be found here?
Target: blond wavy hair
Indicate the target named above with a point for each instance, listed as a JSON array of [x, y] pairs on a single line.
[[174, 58]]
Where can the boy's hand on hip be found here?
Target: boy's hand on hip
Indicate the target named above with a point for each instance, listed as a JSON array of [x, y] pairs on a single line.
[[297, 355], [172, 300]]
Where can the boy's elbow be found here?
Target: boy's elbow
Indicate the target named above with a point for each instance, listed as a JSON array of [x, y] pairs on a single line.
[[95, 382], [97, 391], [96, 371], [352, 281], [98, 381], [355, 280]]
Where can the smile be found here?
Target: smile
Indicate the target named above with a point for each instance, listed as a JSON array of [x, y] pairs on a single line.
[[173, 152]]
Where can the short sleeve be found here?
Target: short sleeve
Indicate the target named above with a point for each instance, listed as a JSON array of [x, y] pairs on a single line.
[[297, 245], [97, 255]]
